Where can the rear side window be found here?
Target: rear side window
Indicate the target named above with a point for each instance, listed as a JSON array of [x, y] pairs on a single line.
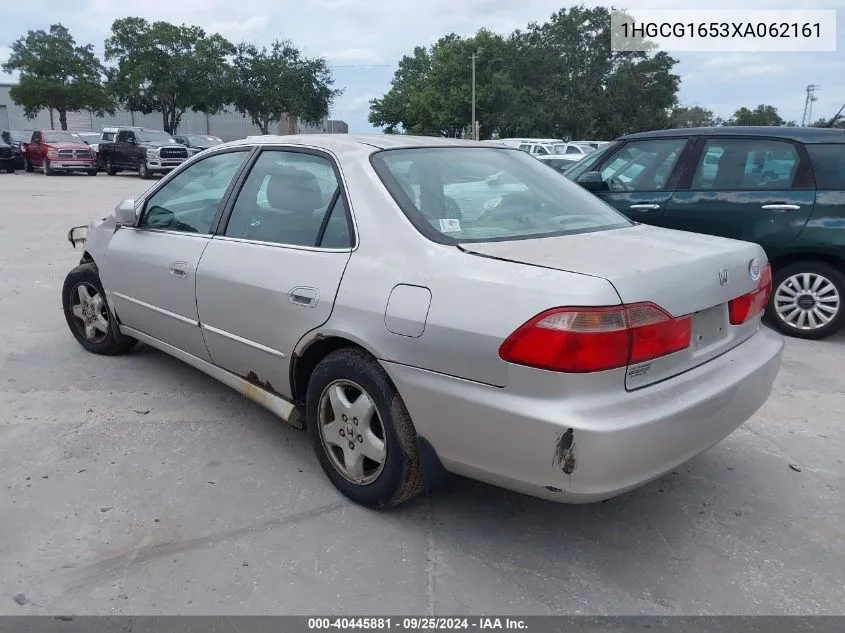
[[828, 163], [746, 164], [108, 136]]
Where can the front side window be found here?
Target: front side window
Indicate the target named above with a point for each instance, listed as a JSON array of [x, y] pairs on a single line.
[[642, 165], [468, 194], [189, 201], [745, 164], [828, 163], [291, 198]]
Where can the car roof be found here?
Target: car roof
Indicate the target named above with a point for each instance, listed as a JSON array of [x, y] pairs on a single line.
[[801, 134], [339, 143]]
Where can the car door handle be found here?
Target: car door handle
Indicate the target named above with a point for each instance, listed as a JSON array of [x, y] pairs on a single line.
[[645, 207], [177, 269], [304, 296], [781, 207]]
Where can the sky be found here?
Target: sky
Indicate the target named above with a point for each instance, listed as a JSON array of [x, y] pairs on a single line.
[[364, 39]]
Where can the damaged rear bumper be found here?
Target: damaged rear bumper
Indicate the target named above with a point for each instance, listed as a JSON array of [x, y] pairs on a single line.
[[580, 448]]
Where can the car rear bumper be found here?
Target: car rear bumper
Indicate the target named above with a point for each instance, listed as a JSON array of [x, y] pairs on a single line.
[[582, 449]]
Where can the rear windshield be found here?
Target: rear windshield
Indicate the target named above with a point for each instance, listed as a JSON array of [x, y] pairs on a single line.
[[828, 165], [61, 137], [481, 194]]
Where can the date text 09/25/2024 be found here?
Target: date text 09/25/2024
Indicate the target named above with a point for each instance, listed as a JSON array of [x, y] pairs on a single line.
[[416, 624]]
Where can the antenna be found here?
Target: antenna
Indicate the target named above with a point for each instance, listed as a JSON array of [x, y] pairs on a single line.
[[808, 104]]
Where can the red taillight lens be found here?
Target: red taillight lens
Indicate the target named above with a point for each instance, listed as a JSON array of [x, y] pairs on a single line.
[[580, 340], [746, 307]]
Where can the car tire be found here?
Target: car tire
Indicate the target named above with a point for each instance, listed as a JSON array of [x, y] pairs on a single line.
[[27, 166], [45, 167], [824, 285], [144, 171], [92, 172], [10, 170], [81, 314], [110, 170], [357, 375]]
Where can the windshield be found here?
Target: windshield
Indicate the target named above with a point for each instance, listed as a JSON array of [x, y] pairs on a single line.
[[154, 136], [20, 137], [479, 194], [204, 141], [90, 137], [61, 137]]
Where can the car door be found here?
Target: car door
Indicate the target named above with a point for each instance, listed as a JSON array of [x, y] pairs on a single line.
[[749, 188], [149, 269], [34, 150], [641, 176], [127, 149], [273, 272]]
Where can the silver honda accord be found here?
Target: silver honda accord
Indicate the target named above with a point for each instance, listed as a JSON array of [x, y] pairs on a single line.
[[424, 306]]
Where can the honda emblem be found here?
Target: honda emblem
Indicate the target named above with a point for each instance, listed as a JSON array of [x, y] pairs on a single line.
[[723, 276]]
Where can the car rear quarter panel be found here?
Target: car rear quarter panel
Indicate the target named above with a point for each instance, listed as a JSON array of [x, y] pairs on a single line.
[[476, 302]]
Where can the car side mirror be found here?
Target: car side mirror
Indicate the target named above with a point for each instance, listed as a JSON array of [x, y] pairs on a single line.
[[125, 213], [592, 181]]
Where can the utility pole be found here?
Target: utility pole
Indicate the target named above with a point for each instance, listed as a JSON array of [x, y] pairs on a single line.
[[808, 104], [473, 57]]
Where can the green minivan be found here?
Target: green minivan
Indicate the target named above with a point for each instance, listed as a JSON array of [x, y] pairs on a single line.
[[781, 187]]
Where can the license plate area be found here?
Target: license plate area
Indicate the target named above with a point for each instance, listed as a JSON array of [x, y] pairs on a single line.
[[709, 327]]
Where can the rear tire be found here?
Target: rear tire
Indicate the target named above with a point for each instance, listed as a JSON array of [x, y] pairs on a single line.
[[349, 382], [27, 166], [803, 289], [88, 315]]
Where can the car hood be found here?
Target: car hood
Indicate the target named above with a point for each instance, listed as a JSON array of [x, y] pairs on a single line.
[[159, 145], [677, 270]]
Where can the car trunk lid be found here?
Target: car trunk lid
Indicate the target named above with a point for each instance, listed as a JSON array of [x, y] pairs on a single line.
[[682, 273]]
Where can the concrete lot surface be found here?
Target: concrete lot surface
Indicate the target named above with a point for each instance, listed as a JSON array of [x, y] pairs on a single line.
[[137, 485]]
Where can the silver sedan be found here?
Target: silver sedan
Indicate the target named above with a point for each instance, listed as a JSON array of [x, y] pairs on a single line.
[[424, 306]]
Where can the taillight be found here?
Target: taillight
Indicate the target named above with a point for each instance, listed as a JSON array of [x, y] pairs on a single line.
[[748, 306], [581, 340]]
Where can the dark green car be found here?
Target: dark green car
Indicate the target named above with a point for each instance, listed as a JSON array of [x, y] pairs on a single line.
[[781, 187]]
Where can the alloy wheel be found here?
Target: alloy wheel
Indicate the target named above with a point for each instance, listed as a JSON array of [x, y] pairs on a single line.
[[91, 316]]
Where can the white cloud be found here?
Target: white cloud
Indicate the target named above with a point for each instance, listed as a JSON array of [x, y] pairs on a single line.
[[240, 30], [354, 56]]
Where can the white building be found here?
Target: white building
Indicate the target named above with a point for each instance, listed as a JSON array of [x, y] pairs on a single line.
[[226, 124]]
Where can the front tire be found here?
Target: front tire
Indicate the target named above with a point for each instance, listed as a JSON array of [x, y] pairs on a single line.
[[10, 170], [808, 300], [110, 170], [45, 167], [361, 431], [144, 171], [88, 315], [92, 172], [27, 165]]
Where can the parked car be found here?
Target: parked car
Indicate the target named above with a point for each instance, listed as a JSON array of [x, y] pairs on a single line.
[[559, 163], [57, 150], [17, 140], [783, 188], [8, 157], [143, 150], [548, 345], [198, 142]]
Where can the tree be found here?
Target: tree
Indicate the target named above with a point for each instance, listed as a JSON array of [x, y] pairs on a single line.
[[57, 74], [556, 79], [266, 85], [692, 116], [167, 68], [761, 115]]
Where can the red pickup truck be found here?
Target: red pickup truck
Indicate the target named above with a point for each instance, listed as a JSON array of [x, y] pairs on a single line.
[[56, 150]]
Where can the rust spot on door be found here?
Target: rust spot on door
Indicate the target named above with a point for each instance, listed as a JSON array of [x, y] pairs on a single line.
[[253, 378], [564, 456]]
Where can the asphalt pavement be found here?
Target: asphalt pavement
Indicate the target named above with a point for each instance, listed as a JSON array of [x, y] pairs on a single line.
[[137, 485]]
